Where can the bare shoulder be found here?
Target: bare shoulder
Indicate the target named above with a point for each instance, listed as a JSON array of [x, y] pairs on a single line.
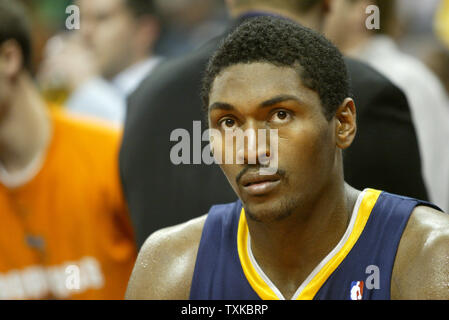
[[165, 264], [421, 269]]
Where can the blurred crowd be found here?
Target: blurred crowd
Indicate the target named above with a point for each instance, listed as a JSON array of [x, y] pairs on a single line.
[[90, 73], [184, 25], [418, 29], [118, 43]]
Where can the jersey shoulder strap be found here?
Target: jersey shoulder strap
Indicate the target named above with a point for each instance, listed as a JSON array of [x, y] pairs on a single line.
[[218, 274], [369, 264]]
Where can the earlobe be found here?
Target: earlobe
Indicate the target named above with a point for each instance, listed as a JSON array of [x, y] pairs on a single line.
[[346, 126]]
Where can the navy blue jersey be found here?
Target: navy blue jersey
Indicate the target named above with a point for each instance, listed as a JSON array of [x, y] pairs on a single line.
[[359, 267]]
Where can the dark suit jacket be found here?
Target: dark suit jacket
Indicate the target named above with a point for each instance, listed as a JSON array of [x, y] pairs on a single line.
[[384, 154]]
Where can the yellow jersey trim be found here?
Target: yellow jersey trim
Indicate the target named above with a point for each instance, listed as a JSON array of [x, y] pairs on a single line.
[[257, 283], [267, 292]]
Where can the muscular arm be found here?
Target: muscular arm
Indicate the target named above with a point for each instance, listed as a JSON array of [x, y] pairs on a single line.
[[421, 269], [165, 264]]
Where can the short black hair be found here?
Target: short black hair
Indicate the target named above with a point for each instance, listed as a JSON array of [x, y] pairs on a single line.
[[14, 25], [284, 43]]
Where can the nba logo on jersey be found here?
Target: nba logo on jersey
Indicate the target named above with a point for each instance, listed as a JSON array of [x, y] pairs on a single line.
[[356, 290]]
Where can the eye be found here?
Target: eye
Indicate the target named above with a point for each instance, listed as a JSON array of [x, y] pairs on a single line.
[[227, 123], [280, 116]]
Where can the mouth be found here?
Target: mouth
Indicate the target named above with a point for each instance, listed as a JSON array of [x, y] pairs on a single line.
[[258, 185]]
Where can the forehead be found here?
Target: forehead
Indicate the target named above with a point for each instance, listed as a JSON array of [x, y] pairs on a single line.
[[253, 83]]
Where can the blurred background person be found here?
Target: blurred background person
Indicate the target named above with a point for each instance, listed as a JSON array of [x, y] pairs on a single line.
[[65, 230], [438, 58], [160, 193], [441, 23], [413, 28], [187, 24], [58, 79], [345, 26], [105, 60]]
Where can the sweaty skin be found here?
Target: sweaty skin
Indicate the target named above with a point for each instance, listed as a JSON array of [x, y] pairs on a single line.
[[165, 264], [300, 220]]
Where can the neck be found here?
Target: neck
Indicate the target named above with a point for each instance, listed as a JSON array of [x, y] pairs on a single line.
[[290, 249], [25, 128], [138, 58]]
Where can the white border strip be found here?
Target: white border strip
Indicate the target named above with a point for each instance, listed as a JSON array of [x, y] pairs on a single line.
[[261, 273]]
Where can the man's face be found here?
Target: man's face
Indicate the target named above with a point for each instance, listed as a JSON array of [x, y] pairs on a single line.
[[108, 28], [258, 96]]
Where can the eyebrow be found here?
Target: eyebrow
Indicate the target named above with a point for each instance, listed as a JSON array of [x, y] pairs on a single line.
[[265, 104], [279, 99]]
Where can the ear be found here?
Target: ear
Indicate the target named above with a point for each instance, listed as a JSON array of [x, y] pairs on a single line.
[[346, 126], [11, 58]]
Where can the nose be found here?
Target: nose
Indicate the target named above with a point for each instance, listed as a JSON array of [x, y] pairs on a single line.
[[253, 147]]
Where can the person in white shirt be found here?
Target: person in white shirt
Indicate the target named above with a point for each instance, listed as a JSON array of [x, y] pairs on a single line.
[[107, 58], [346, 27]]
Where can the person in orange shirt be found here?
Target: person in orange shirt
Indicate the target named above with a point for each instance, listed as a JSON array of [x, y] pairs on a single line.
[[64, 227]]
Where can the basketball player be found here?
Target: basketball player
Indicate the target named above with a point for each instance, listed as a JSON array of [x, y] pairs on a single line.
[[301, 233]]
